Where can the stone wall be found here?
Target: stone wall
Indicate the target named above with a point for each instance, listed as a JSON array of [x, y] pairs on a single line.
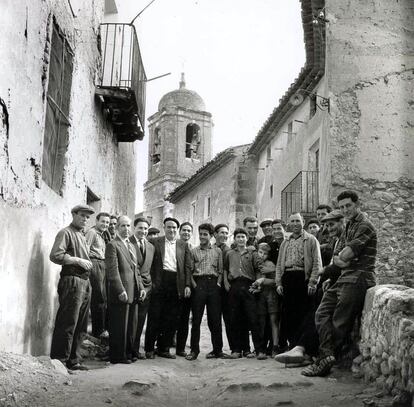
[[31, 213], [387, 339], [369, 73]]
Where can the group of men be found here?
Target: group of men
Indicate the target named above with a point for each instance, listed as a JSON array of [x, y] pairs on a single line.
[[297, 293]]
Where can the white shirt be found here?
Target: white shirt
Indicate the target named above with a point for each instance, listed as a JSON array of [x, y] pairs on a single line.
[[170, 257]]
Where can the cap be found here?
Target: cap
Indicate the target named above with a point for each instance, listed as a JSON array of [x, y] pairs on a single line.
[[169, 219], [85, 208], [334, 215], [153, 230], [267, 221]]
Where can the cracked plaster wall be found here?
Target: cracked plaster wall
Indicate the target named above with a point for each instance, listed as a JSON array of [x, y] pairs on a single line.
[[30, 212], [370, 74]]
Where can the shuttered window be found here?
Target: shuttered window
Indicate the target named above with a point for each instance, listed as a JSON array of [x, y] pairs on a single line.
[[55, 142]]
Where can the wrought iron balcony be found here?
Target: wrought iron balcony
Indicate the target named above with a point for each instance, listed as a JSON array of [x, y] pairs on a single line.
[[301, 195], [122, 85]]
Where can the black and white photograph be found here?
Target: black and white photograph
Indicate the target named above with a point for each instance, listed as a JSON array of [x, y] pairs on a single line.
[[207, 203]]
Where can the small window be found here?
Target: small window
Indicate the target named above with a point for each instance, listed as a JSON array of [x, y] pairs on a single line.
[[271, 191], [317, 160], [192, 141], [312, 105], [56, 137], [207, 207], [269, 153], [192, 212], [290, 131], [156, 149]]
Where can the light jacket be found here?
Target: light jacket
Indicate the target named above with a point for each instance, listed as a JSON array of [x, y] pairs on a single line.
[[312, 259]]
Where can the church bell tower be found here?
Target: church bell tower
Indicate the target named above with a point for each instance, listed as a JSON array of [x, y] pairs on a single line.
[[179, 145]]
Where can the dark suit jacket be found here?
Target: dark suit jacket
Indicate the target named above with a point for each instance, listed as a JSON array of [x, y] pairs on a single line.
[[144, 264], [120, 273], [183, 264]]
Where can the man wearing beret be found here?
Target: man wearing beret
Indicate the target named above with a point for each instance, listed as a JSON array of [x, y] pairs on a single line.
[[171, 281], [267, 230], [71, 251]]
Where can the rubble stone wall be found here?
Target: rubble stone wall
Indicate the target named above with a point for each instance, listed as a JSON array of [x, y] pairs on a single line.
[[387, 339], [370, 77]]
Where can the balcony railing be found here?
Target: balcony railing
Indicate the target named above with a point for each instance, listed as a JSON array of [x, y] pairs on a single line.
[[123, 82], [301, 195]]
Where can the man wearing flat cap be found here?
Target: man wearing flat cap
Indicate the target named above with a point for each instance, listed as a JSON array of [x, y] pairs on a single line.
[[267, 230], [171, 281], [71, 251]]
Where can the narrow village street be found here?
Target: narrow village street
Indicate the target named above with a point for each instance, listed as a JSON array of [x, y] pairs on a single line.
[[164, 382]]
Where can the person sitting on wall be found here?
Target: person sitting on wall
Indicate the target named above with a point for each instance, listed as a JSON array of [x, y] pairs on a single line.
[[71, 251], [343, 302]]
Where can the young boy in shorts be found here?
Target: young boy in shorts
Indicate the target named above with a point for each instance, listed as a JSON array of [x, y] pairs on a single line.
[[266, 299]]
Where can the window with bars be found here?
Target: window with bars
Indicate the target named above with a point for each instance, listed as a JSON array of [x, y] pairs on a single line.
[[55, 141]]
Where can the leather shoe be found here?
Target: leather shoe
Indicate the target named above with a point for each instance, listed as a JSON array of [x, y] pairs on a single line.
[[140, 356], [181, 353], [211, 355], [149, 355], [235, 355], [191, 356], [121, 361], [166, 355], [77, 366]]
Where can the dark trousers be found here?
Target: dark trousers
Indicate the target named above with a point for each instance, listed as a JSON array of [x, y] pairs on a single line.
[[163, 314], [141, 317], [225, 310], [243, 309], [308, 336], [206, 294], [341, 305], [183, 322], [295, 304], [98, 297], [74, 299], [122, 330]]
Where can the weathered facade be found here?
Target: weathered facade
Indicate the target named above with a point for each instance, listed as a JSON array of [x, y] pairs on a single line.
[[53, 155], [359, 73], [220, 192], [179, 145]]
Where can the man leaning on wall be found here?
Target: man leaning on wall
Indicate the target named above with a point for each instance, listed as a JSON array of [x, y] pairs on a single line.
[[71, 251]]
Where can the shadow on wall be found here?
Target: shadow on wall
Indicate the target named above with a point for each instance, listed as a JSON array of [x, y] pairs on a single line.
[[39, 305]]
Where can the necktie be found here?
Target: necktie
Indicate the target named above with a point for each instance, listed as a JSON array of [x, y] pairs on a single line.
[[131, 253], [141, 248]]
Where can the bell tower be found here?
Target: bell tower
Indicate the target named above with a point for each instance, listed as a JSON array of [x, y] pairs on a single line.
[[179, 145]]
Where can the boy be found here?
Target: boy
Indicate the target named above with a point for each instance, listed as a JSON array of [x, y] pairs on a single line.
[[266, 299], [241, 269]]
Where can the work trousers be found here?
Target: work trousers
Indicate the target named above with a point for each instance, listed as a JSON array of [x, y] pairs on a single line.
[[122, 330], [163, 313], [183, 322], [74, 300], [206, 294], [296, 303], [98, 297], [340, 307], [243, 310]]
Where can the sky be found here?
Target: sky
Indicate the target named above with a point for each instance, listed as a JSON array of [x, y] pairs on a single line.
[[240, 56]]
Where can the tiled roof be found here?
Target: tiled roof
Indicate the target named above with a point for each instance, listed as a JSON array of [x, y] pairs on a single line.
[[204, 172], [309, 76]]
